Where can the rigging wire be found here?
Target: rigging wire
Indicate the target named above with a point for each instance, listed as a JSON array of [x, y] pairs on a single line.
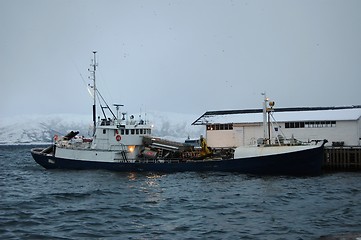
[[274, 120], [105, 85], [107, 106], [84, 82]]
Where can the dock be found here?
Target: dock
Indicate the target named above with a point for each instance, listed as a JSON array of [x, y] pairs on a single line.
[[342, 158]]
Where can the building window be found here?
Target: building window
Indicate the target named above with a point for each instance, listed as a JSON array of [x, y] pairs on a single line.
[[313, 124], [211, 127]]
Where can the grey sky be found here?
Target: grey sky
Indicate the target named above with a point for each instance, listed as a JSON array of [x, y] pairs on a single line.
[[179, 56]]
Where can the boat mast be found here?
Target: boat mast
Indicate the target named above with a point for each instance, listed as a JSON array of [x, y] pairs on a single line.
[[94, 65], [267, 111], [265, 135]]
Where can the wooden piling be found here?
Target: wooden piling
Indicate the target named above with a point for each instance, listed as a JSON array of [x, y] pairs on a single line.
[[342, 158]]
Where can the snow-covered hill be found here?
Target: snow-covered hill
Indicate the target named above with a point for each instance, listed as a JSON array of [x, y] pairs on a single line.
[[41, 128]]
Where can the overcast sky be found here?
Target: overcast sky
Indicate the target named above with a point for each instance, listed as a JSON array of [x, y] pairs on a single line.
[[179, 56]]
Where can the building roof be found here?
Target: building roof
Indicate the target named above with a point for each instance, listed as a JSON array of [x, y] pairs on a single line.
[[281, 115]]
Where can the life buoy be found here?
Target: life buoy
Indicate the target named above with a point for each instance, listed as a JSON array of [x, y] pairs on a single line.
[[118, 138], [55, 137]]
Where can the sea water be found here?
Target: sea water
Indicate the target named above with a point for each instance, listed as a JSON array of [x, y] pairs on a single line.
[[60, 204]]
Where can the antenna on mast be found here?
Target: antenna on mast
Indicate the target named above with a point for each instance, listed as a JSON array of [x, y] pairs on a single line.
[[117, 107]]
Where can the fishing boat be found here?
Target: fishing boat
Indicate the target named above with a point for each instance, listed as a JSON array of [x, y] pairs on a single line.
[[126, 144]]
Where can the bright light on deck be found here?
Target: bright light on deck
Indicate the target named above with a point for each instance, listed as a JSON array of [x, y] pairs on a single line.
[[131, 148]]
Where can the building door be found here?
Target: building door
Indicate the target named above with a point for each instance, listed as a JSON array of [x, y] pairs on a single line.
[[239, 136]]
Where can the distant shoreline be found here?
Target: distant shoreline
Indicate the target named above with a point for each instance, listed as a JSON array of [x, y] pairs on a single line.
[[25, 144]]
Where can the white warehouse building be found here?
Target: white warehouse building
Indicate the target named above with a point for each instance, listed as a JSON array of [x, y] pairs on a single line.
[[233, 128]]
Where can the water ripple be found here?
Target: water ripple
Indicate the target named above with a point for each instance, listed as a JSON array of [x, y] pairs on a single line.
[[40, 204]]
